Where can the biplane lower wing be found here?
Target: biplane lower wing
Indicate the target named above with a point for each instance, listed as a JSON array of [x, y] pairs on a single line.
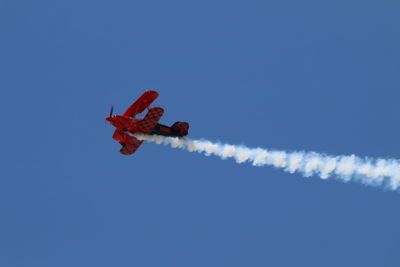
[[131, 147], [141, 103]]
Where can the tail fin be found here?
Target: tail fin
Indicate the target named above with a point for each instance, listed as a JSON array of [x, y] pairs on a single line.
[[181, 127]]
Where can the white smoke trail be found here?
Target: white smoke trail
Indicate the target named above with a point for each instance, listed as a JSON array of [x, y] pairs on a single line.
[[375, 172]]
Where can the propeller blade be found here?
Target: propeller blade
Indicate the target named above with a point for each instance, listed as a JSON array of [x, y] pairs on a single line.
[[111, 110]]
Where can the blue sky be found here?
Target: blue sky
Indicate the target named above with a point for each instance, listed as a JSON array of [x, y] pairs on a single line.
[[292, 75]]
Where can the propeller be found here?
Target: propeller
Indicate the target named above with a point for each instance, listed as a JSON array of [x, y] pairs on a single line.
[[111, 110]]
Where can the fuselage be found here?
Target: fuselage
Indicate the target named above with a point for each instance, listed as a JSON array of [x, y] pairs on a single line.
[[124, 123]]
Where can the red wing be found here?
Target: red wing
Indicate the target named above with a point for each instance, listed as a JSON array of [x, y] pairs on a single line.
[[151, 119], [130, 148], [141, 103]]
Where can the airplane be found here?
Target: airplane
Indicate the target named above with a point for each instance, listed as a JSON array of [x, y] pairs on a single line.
[[127, 123]]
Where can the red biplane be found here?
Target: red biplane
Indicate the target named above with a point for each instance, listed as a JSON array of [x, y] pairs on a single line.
[[127, 123]]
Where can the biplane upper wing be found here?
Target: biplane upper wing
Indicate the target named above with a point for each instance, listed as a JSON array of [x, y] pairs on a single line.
[[141, 103], [151, 119]]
